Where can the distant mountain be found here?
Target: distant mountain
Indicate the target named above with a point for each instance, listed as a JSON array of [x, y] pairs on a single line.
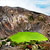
[[17, 19]]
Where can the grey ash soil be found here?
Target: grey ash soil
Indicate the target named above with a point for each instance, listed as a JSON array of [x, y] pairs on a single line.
[[16, 19]]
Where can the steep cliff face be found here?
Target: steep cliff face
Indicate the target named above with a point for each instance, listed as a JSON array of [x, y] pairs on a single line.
[[16, 19]]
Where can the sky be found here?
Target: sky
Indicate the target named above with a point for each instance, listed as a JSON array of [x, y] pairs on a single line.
[[42, 6]]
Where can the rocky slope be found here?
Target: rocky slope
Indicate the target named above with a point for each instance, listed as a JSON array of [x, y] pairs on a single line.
[[16, 19]]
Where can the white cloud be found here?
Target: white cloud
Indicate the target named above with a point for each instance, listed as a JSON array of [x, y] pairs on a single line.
[[28, 4]]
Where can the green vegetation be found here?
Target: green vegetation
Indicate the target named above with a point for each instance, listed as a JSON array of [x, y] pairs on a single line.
[[13, 44], [3, 42], [1, 38], [22, 37], [0, 44], [8, 40], [41, 18], [31, 18]]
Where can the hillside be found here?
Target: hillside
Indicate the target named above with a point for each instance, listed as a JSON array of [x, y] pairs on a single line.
[[17, 19]]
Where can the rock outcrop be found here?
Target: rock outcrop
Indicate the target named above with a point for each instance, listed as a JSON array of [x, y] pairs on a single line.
[[16, 19]]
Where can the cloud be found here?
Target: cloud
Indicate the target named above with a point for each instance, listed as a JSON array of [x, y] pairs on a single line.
[[42, 6]]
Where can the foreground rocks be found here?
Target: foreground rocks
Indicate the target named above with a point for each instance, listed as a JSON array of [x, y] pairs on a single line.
[[16, 19], [11, 48]]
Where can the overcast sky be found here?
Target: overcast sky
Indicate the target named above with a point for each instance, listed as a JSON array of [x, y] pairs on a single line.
[[42, 6]]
